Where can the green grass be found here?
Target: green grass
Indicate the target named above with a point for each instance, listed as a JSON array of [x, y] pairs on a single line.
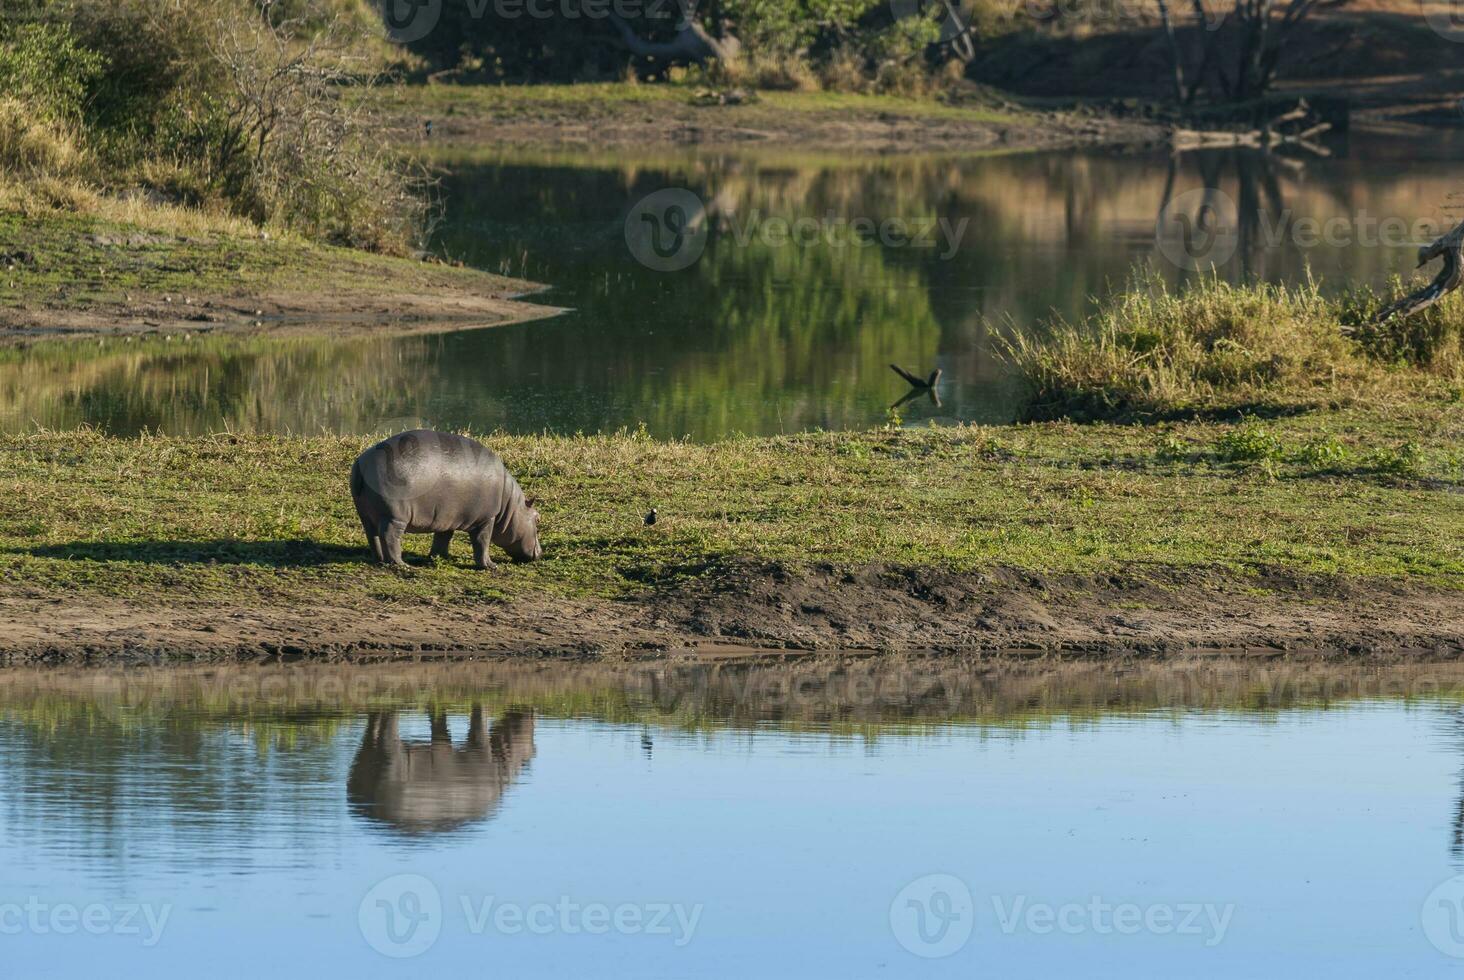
[[619, 100], [267, 520], [862, 105], [578, 96], [1211, 346], [79, 260]]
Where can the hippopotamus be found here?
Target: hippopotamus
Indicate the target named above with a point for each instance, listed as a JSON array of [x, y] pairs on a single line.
[[422, 481]]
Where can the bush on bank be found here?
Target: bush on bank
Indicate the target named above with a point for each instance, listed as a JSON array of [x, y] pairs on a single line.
[[1156, 350], [223, 104]]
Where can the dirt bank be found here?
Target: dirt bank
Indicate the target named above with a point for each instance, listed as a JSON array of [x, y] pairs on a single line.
[[277, 314], [747, 610]]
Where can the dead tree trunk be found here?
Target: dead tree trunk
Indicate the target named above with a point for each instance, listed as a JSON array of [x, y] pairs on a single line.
[[1175, 54], [961, 41], [1451, 248], [693, 44]]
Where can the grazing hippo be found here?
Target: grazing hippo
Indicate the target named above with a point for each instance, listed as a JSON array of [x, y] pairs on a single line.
[[422, 481]]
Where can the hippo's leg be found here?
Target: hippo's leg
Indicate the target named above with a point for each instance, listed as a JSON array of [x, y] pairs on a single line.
[[373, 539], [482, 538], [391, 541], [441, 542]]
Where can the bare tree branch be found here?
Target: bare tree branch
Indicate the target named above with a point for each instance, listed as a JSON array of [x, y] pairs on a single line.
[[1451, 249]]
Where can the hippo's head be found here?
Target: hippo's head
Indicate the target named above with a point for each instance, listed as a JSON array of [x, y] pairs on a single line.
[[519, 533]]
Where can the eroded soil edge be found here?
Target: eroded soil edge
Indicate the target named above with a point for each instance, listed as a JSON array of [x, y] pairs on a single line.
[[746, 610]]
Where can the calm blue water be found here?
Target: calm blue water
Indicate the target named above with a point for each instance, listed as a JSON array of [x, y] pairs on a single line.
[[589, 829]]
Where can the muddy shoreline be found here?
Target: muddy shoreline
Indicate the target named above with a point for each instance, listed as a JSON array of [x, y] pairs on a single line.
[[275, 315], [772, 612]]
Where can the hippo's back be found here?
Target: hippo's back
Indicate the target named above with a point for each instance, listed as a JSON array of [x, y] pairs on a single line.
[[422, 472]]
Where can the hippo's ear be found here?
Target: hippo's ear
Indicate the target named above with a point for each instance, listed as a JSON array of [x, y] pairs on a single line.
[[531, 502]]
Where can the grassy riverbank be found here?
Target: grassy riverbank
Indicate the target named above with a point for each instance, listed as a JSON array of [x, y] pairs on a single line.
[[617, 114], [117, 267], [1364, 493], [1304, 508]]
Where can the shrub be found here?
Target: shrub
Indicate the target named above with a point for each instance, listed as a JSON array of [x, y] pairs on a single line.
[[771, 70], [1406, 460], [212, 104], [43, 66], [1249, 443], [1323, 453], [32, 146], [1154, 350], [1431, 339]]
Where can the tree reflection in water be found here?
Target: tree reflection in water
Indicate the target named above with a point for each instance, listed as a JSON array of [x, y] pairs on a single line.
[[756, 337]]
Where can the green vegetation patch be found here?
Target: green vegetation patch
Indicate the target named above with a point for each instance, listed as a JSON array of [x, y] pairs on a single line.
[[270, 520], [1155, 351], [77, 261]]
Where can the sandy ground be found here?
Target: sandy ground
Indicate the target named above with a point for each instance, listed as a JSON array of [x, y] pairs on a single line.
[[751, 610]]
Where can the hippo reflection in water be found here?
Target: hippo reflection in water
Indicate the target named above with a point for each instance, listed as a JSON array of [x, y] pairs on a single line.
[[420, 788]]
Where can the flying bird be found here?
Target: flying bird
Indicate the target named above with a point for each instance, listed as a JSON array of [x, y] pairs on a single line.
[[915, 381]]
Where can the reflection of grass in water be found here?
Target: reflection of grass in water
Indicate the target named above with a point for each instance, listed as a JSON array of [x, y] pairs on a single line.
[[282, 708], [230, 749], [210, 383]]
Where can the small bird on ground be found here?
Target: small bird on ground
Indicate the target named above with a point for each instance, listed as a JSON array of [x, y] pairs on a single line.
[[651, 517], [428, 127]]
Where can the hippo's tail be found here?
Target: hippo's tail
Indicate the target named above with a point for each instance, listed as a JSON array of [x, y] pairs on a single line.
[[358, 482]]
